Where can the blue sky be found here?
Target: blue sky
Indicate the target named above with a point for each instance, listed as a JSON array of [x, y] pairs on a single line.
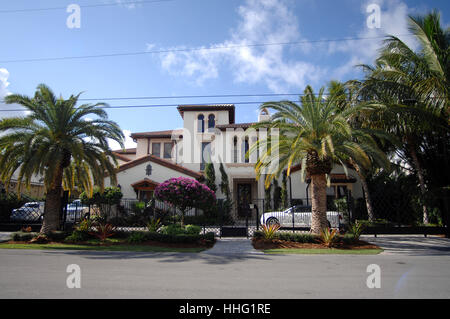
[[192, 24]]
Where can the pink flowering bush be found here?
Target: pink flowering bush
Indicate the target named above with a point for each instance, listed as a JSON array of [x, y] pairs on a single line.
[[185, 193]]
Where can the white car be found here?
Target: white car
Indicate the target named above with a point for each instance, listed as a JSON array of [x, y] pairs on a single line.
[[298, 216], [75, 210], [29, 212]]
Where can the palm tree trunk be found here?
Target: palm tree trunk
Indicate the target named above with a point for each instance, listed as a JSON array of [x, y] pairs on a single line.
[[319, 203], [420, 175], [53, 205], [362, 178]]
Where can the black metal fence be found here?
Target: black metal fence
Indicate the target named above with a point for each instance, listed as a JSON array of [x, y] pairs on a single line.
[[132, 214]]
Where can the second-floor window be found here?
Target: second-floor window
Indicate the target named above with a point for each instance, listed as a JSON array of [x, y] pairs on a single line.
[[156, 149], [168, 150], [201, 123], [211, 122], [235, 150]]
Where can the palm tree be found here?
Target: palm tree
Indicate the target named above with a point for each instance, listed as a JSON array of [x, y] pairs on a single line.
[[317, 134], [54, 134], [346, 97], [411, 88]]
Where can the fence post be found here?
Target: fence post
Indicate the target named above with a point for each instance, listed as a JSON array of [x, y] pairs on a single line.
[[293, 221], [349, 205]]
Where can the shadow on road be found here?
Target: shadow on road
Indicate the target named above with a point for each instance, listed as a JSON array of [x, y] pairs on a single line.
[[164, 257], [412, 245]]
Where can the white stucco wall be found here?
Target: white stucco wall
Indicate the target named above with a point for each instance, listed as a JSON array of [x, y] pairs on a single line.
[[134, 174]]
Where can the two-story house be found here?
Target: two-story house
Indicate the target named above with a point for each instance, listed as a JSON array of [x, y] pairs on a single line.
[[210, 133]]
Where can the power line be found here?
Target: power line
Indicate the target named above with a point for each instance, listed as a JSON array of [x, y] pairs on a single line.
[[237, 46], [86, 6], [109, 107]]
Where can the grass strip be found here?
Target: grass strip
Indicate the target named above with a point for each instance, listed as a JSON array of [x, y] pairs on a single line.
[[318, 251], [131, 248]]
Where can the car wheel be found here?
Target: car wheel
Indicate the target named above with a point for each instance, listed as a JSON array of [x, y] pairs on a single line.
[[272, 221]]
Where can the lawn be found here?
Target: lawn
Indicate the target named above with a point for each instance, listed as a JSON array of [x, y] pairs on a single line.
[[321, 251]]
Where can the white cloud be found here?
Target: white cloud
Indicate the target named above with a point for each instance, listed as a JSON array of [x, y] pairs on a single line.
[[4, 75], [394, 15], [261, 21], [128, 141]]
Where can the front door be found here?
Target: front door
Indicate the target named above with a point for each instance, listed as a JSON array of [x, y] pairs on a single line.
[[244, 198]]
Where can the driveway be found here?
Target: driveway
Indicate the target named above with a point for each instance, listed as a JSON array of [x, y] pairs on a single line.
[[411, 245]]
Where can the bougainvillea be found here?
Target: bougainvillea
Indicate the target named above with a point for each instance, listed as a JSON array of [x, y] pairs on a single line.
[[185, 193]]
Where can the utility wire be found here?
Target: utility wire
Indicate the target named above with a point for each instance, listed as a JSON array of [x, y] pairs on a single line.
[[190, 96], [191, 49], [85, 6], [109, 107]]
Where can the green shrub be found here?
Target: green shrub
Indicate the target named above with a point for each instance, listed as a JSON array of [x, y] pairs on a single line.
[[77, 236], [172, 229], [136, 237], [328, 236], [57, 235], [154, 224], [348, 239], [299, 238], [177, 229], [356, 230], [270, 231], [192, 229], [23, 236]]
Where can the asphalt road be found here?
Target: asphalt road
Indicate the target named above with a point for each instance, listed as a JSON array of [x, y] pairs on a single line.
[[246, 274]]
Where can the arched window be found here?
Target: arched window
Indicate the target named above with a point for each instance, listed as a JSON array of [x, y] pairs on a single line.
[[211, 122], [148, 170], [245, 148], [201, 123], [235, 150]]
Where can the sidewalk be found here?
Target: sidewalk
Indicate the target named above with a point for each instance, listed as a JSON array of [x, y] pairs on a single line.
[[232, 246], [5, 236]]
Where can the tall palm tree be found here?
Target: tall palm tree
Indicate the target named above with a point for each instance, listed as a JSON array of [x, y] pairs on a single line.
[[54, 134], [411, 88], [346, 97], [317, 134]]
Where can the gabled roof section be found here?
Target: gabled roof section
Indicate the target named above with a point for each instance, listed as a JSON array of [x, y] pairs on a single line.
[[208, 107], [126, 151], [162, 162], [156, 134], [121, 157]]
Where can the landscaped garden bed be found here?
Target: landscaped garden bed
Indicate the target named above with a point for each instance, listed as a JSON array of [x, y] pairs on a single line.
[[102, 236], [270, 240]]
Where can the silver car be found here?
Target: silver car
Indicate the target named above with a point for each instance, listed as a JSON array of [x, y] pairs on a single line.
[[29, 212], [299, 216], [75, 210]]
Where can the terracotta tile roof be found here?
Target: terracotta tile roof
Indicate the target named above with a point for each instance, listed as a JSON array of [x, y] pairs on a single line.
[[160, 161], [156, 134], [122, 157], [126, 151], [223, 127], [208, 107]]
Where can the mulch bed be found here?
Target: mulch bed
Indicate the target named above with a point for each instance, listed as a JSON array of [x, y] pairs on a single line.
[[276, 244]]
